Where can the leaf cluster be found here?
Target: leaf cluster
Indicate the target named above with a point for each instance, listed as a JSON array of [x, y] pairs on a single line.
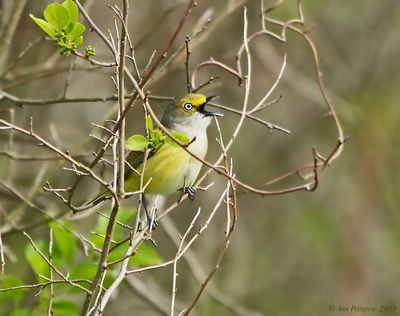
[[67, 258], [155, 139], [61, 24]]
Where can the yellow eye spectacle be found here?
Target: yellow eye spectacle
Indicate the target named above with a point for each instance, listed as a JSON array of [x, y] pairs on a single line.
[[188, 106]]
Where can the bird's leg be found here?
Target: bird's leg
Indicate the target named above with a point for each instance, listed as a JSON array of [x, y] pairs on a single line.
[[153, 223]]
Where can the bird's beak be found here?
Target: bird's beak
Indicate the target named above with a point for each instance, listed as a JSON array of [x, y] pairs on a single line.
[[203, 111]]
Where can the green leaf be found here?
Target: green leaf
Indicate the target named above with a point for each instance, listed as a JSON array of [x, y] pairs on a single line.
[[157, 136], [22, 312], [117, 253], [16, 295], [72, 9], [37, 263], [65, 308], [84, 270], [125, 216], [100, 229], [57, 15], [178, 135], [78, 41], [87, 270], [65, 242], [97, 240], [77, 31], [149, 123], [137, 142], [45, 26], [181, 136], [145, 256]]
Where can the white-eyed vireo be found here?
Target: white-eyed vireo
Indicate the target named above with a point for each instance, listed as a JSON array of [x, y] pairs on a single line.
[[170, 168]]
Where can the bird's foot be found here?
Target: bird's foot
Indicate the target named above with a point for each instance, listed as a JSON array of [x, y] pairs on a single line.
[[191, 191], [152, 222]]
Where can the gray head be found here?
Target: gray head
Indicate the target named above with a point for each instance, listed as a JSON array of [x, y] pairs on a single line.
[[188, 114]]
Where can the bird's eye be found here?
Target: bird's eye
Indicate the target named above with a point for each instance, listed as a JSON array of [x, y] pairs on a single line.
[[188, 106]]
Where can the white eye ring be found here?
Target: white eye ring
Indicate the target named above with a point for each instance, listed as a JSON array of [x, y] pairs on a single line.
[[188, 106]]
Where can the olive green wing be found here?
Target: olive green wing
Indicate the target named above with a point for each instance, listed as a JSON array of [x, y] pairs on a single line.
[[134, 160]]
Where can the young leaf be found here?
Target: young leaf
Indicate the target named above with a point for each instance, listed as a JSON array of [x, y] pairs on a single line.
[[145, 256], [117, 254], [37, 263], [181, 136], [157, 136], [45, 26], [57, 15], [178, 135], [157, 139], [65, 308], [72, 9], [65, 242], [10, 281], [84, 270], [77, 31], [149, 123], [87, 270], [22, 312], [125, 216], [78, 41], [137, 142]]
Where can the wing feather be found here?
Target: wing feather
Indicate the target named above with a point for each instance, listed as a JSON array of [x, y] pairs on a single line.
[[134, 159]]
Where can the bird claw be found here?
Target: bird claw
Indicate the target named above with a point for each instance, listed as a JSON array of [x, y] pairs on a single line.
[[153, 223], [191, 191], [151, 219]]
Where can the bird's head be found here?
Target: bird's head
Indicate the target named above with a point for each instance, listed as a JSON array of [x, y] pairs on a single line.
[[189, 111]]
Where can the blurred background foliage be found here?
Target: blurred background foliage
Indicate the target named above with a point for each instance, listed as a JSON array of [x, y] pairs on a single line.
[[296, 254]]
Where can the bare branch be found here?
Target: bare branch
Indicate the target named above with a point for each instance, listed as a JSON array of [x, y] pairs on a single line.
[[177, 256], [50, 307], [2, 261], [187, 66]]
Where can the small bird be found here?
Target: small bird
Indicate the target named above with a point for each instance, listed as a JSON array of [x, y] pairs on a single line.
[[170, 168]]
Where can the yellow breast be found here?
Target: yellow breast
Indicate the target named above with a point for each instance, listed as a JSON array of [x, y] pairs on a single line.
[[168, 170]]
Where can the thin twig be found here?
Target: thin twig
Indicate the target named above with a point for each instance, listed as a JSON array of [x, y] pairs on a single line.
[[50, 306], [213, 62], [206, 83], [269, 125], [43, 285], [2, 261], [260, 104], [176, 259], [187, 65]]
